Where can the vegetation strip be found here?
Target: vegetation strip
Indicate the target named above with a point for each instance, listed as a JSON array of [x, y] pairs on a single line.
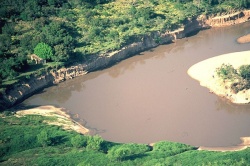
[[27, 140]]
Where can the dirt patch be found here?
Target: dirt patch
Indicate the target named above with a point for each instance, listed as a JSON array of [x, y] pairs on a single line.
[[63, 119]]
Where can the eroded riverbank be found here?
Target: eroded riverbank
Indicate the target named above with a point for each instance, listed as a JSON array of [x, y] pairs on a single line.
[[25, 89]]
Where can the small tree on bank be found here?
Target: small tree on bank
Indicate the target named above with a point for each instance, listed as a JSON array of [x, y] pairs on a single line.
[[44, 51]]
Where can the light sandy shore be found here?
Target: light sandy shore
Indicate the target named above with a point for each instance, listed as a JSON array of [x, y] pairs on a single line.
[[63, 119], [244, 39], [204, 72], [245, 144]]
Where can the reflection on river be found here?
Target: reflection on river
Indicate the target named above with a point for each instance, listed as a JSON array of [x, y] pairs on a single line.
[[150, 97]]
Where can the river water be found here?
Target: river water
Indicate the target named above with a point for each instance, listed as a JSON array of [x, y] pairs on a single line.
[[150, 97]]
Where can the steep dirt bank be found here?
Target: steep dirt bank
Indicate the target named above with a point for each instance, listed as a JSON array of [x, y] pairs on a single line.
[[24, 89]]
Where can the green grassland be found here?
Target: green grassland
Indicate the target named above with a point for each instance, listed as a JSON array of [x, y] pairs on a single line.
[[28, 140]]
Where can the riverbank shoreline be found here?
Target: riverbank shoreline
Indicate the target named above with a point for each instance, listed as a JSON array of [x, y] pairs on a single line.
[[205, 73], [245, 143], [19, 92], [63, 119]]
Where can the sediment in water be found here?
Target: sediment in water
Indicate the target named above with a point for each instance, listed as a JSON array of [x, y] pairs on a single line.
[[24, 89]]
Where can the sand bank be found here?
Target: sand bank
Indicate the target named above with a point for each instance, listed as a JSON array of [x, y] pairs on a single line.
[[245, 144], [63, 119], [244, 39], [204, 72]]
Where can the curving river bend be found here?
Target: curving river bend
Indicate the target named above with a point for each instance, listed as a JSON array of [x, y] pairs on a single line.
[[150, 97]]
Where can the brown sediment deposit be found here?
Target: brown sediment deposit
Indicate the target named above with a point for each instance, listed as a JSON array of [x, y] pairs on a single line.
[[205, 73], [244, 39], [63, 119]]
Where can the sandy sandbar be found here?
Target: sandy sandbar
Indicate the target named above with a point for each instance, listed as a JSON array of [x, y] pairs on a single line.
[[63, 119], [244, 39], [204, 72], [245, 144]]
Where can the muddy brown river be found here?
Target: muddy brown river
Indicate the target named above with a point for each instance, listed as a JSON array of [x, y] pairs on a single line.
[[150, 97]]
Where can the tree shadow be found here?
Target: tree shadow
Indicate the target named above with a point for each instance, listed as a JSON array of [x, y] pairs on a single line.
[[58, 140], [136, 156]]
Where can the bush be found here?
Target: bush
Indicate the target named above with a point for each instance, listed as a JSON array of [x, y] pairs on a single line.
[[172, 148], [244, 71], [124, 151], [226, 72], [43, 50], [78, 141], [94, 142], [43, 138]]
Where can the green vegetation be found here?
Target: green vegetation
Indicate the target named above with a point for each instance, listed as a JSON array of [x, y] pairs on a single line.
[[226, 72], [238, 78], [76, 30], [64, 32], [29, 141], [44, 51]]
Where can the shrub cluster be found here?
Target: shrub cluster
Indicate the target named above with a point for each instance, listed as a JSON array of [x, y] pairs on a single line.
[[239, 78]]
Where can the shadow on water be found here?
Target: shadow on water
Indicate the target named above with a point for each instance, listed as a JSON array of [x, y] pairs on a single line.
[[23, 106], [192, 33], [224, 104]]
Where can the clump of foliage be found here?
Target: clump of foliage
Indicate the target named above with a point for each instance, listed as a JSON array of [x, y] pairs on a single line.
[[44, 51], [226, 72], [43, 138], [239, 78], [94, 143], [171, 148], [244, 71], [125, 151], [78, 141]]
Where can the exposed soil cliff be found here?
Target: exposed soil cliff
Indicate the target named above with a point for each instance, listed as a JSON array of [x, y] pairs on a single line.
[[21, 91]]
